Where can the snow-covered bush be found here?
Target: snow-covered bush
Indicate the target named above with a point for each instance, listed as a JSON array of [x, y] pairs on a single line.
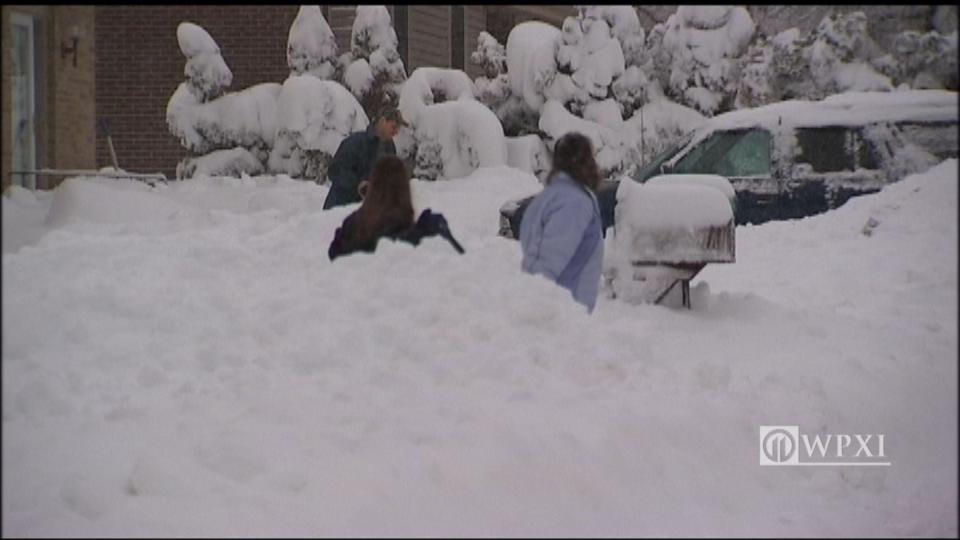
[[493, 88], [699, 46], [454, 138], [839, 56], [556, 121], [436, 153], [234, 162], [205, 119], [313, 117], [207, 73], [311, 45], [922, 60], [372, 69]]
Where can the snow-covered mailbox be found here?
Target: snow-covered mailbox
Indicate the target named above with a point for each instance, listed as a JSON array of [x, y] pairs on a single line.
[[670, 228]]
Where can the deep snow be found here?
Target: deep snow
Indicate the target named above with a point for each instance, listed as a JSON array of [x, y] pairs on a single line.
[[184, 360]]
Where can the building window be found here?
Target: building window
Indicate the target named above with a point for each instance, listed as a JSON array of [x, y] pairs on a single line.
[[400, 25], [456, 37], [23, 114]]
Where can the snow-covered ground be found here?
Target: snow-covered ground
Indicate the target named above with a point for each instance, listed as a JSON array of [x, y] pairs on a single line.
[[185, 361]]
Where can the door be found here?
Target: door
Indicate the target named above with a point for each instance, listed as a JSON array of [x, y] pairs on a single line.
[[23, 99]]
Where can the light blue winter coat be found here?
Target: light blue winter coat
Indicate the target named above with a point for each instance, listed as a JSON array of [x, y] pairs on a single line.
[[561, 237]]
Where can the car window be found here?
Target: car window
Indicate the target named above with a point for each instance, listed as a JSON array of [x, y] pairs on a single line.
[[730, 153], [825, 149]]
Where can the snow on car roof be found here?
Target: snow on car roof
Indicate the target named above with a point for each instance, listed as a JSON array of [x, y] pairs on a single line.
[[851, 108]]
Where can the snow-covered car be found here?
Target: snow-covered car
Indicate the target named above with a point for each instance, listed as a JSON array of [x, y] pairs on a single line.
[[798, 158]]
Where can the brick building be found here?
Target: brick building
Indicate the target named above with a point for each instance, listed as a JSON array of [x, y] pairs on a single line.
[[128, 64]]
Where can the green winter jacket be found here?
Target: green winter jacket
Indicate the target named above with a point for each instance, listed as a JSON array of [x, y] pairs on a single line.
[[352, 163]]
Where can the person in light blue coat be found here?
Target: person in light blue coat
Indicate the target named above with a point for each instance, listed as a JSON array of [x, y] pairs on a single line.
[[561, 232]]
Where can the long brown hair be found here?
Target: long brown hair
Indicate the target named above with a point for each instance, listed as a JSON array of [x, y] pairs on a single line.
[[387, 205], [573, 154]]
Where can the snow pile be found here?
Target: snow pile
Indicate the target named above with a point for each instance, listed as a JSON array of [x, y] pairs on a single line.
[[644, 209], [213, 374], [311, 45], [454, 133], [313, 117], [374, 71]]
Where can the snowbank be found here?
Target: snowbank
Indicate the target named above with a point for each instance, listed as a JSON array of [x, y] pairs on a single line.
[[213, 374]]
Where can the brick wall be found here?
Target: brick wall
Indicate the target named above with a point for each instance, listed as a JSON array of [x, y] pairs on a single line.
[[74, 90], [139, 65]]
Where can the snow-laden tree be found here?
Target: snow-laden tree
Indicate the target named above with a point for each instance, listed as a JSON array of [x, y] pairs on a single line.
[[313, 117], [372, 69], [922, 60], [453, 132], [493, 87], [839, 56], [206, 120], [699, 46], [631, 87], [206, 71], [311, 45]]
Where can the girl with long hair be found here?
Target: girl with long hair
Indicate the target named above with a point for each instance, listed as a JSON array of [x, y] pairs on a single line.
[[386, 211], [561, 233]]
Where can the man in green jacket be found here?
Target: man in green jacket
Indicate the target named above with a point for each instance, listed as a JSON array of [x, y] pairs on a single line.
[[356, 154]]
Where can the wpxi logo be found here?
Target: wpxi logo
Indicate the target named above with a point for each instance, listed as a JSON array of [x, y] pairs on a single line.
[[785, 445]]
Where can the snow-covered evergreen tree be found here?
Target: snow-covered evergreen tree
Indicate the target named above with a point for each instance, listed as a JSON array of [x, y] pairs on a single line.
[[839, 56], [702, 45], [313, 118], [311, 45], [493, 87], [372, 69], [922, 60], [238, 124]]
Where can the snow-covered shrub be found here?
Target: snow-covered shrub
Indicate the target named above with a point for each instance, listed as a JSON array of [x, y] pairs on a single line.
[[311, 45], [234, 162], [246, 118], [922, 60], [531, 61], [429, 85], [702, 45], [455, 138], [839, 56], [313, 117], [556, 121], [372, 69], [433, 147], [493, 88], [205, 119], [207, 73]]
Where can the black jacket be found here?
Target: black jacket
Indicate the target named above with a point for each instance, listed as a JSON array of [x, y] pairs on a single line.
[[428, 224], [352, 163]]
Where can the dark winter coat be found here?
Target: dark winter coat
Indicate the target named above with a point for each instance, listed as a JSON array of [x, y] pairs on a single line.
[[428, 224], [352, 163]]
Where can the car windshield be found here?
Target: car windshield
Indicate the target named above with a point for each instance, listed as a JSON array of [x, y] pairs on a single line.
[[729, 153], [653, 167]]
